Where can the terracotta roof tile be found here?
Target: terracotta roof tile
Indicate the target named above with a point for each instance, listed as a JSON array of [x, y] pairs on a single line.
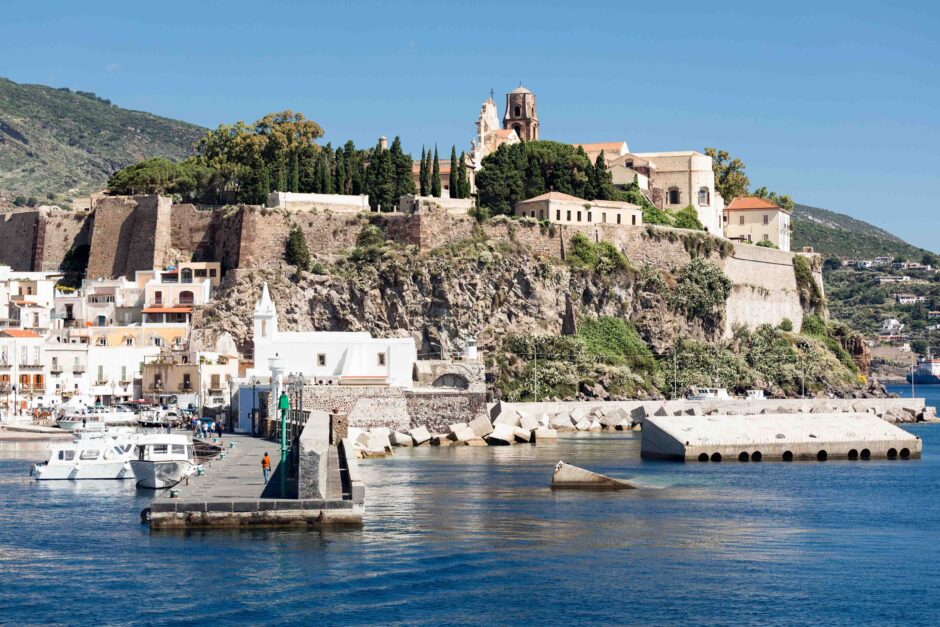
[[20, 333], [750, 202]]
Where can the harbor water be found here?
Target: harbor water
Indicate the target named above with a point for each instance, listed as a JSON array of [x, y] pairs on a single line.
[[474, 536]]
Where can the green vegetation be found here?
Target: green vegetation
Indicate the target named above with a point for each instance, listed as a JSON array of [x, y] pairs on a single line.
[[436, 176], [297, 253], [701, 289], [616, 342], [811, 297], [837, 235], [781, 200], [53, 140], [370, 244], [766, 244], [687, 218], [188, 180], [602, 257], [730, 179]]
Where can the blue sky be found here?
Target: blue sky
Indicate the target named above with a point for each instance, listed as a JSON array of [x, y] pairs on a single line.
[[833, 103]]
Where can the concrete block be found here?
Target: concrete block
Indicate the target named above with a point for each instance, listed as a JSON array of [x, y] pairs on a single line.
[[522, 435], [661, 412], [402, 439], [509, 417], [529, 423], [543, 433], [481, 426], [562, 422], [379, 442], [380, 431], [595, 426], [568, 476], [476, 442], [638, 413], [456, 427], [465, 434], [502, 434], [441, 440], [583, 425], [362, 441], [545, 420], [420, 435]]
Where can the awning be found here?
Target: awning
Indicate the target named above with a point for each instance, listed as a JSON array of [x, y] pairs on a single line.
[[167, 310]]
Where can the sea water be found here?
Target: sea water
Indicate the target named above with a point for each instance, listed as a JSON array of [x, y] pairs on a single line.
[[475, 536]]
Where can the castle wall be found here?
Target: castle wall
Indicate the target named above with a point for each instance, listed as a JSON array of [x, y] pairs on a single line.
[[129, 234], [18, 234], [765, 290], [58, 232]]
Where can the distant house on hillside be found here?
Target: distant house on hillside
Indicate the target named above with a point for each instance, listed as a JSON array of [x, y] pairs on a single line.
[[561, 208], [753, 219]]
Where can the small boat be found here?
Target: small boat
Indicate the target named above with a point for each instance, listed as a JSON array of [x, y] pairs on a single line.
[[162, 460], [91, 455], [710, 394], [76, 421], [755, 395]]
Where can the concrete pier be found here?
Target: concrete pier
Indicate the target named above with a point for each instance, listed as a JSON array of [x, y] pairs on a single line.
[[777, 437], [232, 492]]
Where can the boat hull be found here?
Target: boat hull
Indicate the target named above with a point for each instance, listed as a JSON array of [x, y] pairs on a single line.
[[116, 470], [161, 474], [923, 379]]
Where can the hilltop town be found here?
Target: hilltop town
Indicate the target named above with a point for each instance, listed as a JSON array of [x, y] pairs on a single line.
[[468, 281]]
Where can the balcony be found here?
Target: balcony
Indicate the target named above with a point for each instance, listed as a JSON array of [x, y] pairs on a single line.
[[215, 389], [78, 369], [185, 388], [56, 369], [5, 366], [28, 365]]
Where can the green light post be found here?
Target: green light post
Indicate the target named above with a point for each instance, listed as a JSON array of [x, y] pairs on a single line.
[[283, 404]]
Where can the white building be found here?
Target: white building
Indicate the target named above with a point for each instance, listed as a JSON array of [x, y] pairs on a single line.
[[330, 357], [686, 178], [22, 369], [891, 326]]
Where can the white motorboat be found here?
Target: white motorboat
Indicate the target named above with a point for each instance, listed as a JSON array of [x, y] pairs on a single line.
[[163, 460], [95, 418], [92, 455], [710, 394]]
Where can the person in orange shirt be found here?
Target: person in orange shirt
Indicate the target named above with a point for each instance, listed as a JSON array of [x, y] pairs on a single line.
[[265, 466]]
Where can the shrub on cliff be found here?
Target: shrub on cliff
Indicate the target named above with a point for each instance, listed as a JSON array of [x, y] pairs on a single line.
[[687, 218], [617, 342], [602, 257], [702, 364], [766, 243], [370, 244], [811, 297], [297, 253], [701, 289]]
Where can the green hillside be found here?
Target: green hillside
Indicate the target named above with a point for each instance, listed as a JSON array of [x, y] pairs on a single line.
[[53, 140], [838, 235]]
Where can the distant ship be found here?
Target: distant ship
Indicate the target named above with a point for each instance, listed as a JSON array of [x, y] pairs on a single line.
[[927, 372]]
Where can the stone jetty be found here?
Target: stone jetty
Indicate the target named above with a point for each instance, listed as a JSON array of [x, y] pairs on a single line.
[[324, 488], [778, 437]]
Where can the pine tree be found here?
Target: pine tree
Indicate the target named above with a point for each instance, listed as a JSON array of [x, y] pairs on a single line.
[[453, 180], [297, 253], [436, 176], [423, 174]]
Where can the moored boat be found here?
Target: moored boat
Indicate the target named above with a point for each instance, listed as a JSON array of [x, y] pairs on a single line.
[[162, 460], [96, 418], [92, 455], [927, 372], [709, 394]]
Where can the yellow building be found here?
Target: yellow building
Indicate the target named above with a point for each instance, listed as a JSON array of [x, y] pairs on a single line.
[[754, 219], [561, 208]]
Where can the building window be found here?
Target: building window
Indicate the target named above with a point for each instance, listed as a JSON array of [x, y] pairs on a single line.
[[100, 374], [568, 215], [604, 218], [123, 373], [186, 298], [215, 382], [517, 111], [703, 196], [541, 214], [381, 359], [674, 196], [766, 237], [101, 341], [158, 298], [187, 381], [128, 341], [157, 341], [633, 218], [212, 272], [766, 219], [558, 214], [321, 359], [748, 237], [579, 216], [589, 216], [618, 218], [741, 220]]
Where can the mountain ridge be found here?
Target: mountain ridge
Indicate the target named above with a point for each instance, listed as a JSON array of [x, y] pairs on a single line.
[[840, 235], [53, 140]]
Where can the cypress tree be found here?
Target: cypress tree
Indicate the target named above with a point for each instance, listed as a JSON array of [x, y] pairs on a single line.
[[602, 179], [379, 180], [463, 180], [340, 179], [351, 166], [324, 180], [423, 174], [436, 176], [294, 172], [281, 182], [308, 169], [453, 180], [297, 253], [403, 179]]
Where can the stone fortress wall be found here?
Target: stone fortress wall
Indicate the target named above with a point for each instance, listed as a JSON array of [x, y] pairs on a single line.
[[139, 233]]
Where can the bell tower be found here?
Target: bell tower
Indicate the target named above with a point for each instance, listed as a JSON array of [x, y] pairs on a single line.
[[521, 115]]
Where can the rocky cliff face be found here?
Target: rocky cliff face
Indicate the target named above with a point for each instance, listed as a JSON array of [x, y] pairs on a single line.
[[440, 300]]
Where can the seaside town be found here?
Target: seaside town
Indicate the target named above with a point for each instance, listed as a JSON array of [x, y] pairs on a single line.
[[400, 376]]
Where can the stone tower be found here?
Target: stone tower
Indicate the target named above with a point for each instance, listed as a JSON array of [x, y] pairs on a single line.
[[521, 115]]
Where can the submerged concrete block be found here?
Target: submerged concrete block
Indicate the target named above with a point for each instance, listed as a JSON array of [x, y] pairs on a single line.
[[522, 435], [568, 476], [502, 434], [453, 428], [529, 423], [595, 426], [465, 434], [562, 422], [544, 433], [583, 425]]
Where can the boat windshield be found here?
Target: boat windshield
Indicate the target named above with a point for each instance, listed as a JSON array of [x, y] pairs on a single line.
[[67, 455]]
